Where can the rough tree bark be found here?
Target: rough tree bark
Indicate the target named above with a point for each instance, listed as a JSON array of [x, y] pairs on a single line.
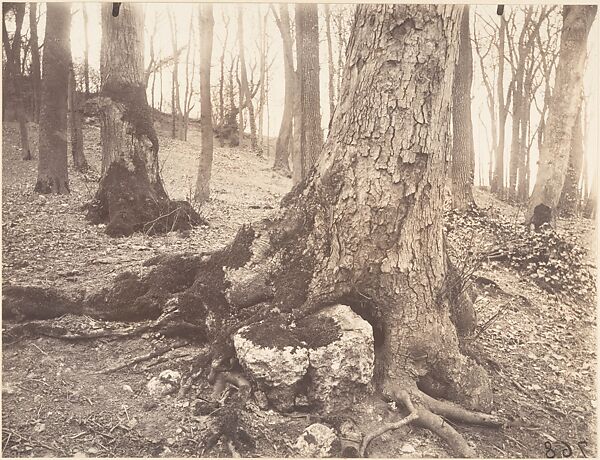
[[245, 96], [36, 75], [463, 150], [307, 52], [365, 230], [13, 67], [569, 203], [131, 196], [206, 25], [554, 155], [284, 140], [75, 124], [52, 165]]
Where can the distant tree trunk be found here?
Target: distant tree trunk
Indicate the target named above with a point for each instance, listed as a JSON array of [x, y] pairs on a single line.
[[284, 140], [130, 196], [222, 73], [497, 185], [36, 75], [13, 61], [491, 102], [525, 145], [173, 109], [515, 145], [262, 72], [75, 122], [86, 51], [189, 83], [232, 107], [176, 109], [463, 151], [591, 202], [246, 96], [151, 68], [569, 203], [332, 97], [240, 100], [307, 51], [52, 166], [206, 26], [160, 101], [554, 155], [152, 89]]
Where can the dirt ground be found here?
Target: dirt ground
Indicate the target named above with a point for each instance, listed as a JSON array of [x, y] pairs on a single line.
[[538, 349]]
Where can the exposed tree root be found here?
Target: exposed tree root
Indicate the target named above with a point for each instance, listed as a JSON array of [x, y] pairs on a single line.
[[142, 358], [430, 413], [411, 417], [166, 323], [457, 444], [458, 414]]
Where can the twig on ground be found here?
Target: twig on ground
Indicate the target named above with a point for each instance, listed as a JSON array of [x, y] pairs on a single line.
[[158, 218]]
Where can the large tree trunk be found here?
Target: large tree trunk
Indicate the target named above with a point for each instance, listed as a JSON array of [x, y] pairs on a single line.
[[13, 65], [52, 166], [131, 196], [36, 75], [463, 151], [245, 95], [554, 155], [206, 25], [307, 51], [284, 140], [569, 203], [75, 122]]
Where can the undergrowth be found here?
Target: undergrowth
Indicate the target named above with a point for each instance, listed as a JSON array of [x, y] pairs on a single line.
[[551, 258]]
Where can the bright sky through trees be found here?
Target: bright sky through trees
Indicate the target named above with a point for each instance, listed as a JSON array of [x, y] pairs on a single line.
[[157, 12]]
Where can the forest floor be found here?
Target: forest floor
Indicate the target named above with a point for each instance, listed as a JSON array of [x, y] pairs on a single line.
[[539, 349]]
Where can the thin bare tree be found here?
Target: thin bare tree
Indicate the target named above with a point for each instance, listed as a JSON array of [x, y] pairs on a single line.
[[13, 67], [245, 94], [36, 74], [206, 26]]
